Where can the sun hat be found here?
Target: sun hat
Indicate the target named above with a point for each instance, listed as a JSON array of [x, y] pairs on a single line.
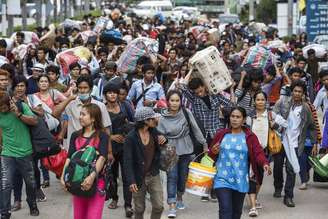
[[38, 67]]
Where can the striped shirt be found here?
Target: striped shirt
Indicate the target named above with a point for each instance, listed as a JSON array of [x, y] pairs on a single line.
[[209, 117], [245, 100]]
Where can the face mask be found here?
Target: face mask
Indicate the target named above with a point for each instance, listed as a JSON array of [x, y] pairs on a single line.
[[84, 97]]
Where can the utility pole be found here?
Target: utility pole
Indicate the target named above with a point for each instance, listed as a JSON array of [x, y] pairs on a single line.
[[226, 6], [87, 6], [10, 19], [4, 18], [55, 11], [290, 17], [65, 9], [38, 12], [44, 14], [251, 10], [24, 14]]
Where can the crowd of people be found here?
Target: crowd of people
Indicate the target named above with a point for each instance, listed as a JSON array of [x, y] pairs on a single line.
[[129, 117]]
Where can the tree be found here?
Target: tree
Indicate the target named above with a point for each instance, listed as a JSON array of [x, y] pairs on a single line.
[[266, 11]]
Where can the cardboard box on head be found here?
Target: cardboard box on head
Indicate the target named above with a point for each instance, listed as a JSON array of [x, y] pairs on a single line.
[[211, 69]]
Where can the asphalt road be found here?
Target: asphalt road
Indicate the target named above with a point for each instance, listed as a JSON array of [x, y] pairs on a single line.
[[311, 203]]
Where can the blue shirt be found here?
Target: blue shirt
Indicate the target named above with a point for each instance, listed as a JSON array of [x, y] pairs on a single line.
[[232, 165], [155, 92], [32, 86]]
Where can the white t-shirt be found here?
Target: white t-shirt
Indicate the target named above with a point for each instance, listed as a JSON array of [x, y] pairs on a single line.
[[293, 129], [260, 126]]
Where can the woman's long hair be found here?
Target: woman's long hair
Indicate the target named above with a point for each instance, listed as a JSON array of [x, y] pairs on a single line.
[[95, 113]]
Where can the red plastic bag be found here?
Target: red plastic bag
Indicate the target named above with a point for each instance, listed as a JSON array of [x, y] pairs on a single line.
[[56, 162]]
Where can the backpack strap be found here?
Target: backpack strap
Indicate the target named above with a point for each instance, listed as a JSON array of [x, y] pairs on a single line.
[[143, 94], [52, 95], [100, 87], [88, 141]]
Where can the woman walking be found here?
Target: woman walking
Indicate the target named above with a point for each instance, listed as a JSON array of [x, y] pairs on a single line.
[[261, 122], [174, 125], [120, 127], [92, 134], [239, 150]]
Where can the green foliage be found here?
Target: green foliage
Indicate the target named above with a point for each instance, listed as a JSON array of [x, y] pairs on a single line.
[[266, 11]]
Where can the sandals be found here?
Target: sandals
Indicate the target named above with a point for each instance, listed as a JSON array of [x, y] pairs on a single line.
[[113, 205]]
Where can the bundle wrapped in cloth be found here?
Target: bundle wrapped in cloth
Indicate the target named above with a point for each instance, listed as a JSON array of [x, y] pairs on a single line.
[[79, 54], [211, 69], [48, 39], [320, 50], [87, 34], [141, 46], [113, 36], [69, 23], [20, 51], [30, 37], [258, 57], [102, 23], [3, 60]]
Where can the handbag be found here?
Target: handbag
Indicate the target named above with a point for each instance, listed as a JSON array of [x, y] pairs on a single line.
[[274, 141], [168, 157], [56, 162], [110, 182], [51, 121], [198, 147]]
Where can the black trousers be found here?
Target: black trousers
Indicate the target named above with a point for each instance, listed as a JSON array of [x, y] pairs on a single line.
[[126, 191]]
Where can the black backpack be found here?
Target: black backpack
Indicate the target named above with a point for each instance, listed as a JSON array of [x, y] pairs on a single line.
[[43, 142]]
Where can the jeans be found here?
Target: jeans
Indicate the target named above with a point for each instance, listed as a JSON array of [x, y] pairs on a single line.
[[278, 173], [18, 186], [176, 178], [126, 191], [305, 166], [45, 172], [152, 185], [230, 203], [290, 180], [9, 165]]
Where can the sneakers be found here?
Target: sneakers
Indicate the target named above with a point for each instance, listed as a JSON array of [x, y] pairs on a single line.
[[253, 212], [204, 199], [303, 186], [16, 206], [40, 196], [172, 213], [180, 205]]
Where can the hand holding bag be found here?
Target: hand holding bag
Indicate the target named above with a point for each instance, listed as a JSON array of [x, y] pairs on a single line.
[[274, 141]]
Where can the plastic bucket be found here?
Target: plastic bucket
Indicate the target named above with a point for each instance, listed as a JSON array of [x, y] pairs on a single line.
[[200, 179]]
